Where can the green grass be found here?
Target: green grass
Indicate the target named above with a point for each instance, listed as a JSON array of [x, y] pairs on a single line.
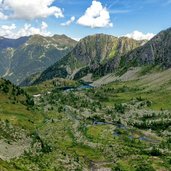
[[5, 166], [19, 115], [73, 138], [87, 152], [148, 69], [160, 98], [100, 133], [49, 86]]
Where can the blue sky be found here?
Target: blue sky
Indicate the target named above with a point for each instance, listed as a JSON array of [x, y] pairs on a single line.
[[125, 17]]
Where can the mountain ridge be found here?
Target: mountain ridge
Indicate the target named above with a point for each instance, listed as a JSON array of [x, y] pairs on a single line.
[[28, 55], [156, 51], [91, 52]]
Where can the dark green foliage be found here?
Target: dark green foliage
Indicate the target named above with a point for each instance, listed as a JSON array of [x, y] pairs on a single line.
[[144, 167], [120, 108], [83, 72], [154, 125], [155, 152], [30, 101], [45, 147], [15, 93], [96, 119]]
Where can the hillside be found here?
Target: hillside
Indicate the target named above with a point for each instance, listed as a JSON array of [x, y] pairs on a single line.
[[124, 125], [155, 52], [16, 123], [90, 53], [23, 57]]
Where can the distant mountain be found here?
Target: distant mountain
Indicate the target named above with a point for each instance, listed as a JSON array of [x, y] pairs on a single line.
[[20, 58], [12, 43], [89, 54], [30, 79]]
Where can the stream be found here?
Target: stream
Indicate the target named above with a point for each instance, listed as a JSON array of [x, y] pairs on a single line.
[[130, 136]]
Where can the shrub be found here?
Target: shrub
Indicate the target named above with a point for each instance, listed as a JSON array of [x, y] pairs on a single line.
[[120, 108]]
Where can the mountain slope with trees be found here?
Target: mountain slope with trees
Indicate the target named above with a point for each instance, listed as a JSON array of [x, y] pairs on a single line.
[[20, 58], [89, 54]]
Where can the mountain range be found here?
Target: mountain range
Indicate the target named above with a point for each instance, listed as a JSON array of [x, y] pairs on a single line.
[[20, 58], [101, 54], [34, 59], [89, 54]]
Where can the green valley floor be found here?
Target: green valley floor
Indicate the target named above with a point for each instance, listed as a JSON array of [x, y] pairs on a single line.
[[121, 126]]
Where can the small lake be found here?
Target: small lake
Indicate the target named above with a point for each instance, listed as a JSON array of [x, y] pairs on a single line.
[[87, 86], [81, 87]]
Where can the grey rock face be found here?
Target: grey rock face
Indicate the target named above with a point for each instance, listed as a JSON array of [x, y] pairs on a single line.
[[157, 51]]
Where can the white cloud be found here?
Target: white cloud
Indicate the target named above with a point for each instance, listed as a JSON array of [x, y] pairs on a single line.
[[28, 30], [76, 38], [137, 35], [10, 31], [7, 30], [30, 9], [96, 16], [3, 16], [9, 27], [69, 22], [44, 26]]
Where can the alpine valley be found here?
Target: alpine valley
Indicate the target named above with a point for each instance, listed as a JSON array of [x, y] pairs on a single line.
[[100, 104]]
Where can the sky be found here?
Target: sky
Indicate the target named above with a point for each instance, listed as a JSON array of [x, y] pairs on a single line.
[[138, 19]]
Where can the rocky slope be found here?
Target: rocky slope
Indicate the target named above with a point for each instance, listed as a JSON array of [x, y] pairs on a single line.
[[155, 52], [118, 57], [89, 54], [23, 57]]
